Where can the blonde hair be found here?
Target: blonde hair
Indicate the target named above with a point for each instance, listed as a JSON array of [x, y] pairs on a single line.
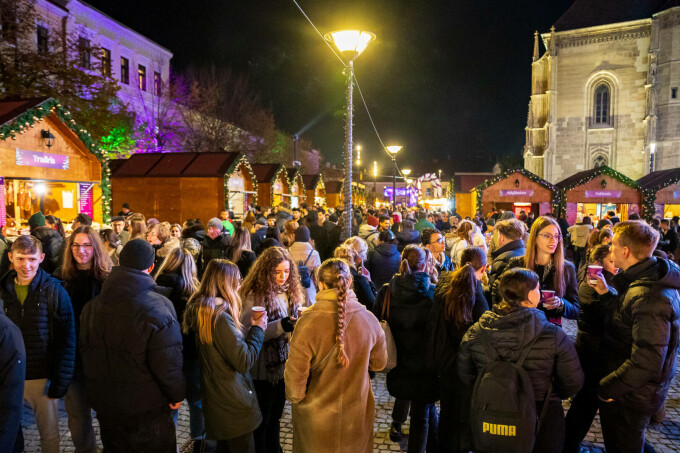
[[180, 261], [360, 245], [239, 243], [557, 257], [137, 229], [288, 236], [220, 280], [412, 258], [335, 274], [347, 253]]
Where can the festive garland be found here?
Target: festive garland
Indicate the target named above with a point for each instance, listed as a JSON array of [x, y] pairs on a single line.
[[280, 170], [297, 179], [240, 160], [32, 116], [556, 195], [589, 176], [649, 197]]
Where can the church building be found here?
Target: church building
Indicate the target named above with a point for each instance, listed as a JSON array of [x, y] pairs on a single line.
[[606, 90]]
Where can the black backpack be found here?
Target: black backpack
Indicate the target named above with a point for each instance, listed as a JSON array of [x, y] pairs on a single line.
[[303, 270], [503, 410]]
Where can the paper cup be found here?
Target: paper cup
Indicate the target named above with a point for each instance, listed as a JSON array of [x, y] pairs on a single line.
[[593, 272], [258, 312], [547, 294]]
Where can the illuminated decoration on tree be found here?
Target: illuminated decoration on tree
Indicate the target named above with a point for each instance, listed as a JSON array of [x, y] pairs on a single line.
[[119, 138], [557, 199], [240, 160], [589, 176], [31, 117]]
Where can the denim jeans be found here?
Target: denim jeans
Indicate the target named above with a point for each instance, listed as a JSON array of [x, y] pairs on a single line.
[[422, 435]]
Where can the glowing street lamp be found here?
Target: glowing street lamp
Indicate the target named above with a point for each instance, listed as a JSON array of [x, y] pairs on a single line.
[[351, 43], [393, 150]]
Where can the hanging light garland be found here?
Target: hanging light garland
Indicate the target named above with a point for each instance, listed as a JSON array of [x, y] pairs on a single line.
[[35, 115], [239, 161], [649, 195]]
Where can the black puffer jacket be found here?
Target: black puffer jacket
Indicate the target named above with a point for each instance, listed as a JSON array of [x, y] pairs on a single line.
[[12, 377], [383, 262], [179, 303], [591, 320], [215, 248], [47, 325], [509, 332], [499, 263], [570, 304], [244, 263], [363, 288], [642, 338], [52, 244], [410, 304], [406, 237], [131, 346]]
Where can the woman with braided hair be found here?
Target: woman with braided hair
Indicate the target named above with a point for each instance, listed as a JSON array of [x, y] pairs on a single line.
[[335, 341], [273, 283]]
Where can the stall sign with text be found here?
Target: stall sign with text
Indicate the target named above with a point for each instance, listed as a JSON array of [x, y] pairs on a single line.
[[517, 193], [3, 213], [603, 194], [85, 204], [44, 160]]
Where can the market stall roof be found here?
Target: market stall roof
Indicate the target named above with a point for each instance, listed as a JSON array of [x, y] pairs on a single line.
[[659, 179], [583, 177], [11, 109], [207, 164], [333, 186], [293, 173], [311, 181], [501, 176], [465, 182], [266, 172]]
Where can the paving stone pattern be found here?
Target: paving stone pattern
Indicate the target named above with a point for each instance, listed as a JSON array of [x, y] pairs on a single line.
[[664, 437]]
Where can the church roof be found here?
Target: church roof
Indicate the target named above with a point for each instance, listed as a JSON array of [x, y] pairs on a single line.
[[589, 13]]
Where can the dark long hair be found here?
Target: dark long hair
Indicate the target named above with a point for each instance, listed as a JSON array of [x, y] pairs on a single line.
[[459, 300]]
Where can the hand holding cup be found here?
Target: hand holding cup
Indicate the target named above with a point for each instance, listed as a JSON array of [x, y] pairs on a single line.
[[259, 317]]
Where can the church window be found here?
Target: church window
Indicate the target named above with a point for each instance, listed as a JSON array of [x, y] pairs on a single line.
[[602, 98], [674, 93], [600, 160]]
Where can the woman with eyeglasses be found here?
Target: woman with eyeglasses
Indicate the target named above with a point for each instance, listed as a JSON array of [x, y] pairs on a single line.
[[86, 265], [545, 256]]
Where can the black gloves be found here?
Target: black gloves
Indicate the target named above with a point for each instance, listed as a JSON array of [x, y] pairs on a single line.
[[287, 324]]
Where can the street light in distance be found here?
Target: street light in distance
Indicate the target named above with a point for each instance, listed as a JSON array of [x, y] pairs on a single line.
[[393, 150]]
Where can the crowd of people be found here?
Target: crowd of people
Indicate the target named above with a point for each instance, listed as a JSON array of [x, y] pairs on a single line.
[[238, 317]]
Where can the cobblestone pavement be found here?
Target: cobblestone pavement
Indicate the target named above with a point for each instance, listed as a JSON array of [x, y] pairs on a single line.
[[664, 437]]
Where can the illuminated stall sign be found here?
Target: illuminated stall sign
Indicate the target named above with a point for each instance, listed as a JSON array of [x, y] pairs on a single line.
[[44, 160]]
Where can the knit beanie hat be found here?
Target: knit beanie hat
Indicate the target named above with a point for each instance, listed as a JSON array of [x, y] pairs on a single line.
[[261, 221], [302, 234], [215, 223], [137, 254], [36, 220], [373, 221]]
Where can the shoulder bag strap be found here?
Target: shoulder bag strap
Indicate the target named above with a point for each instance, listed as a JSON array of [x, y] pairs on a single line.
[[310, 254], [385, 314]]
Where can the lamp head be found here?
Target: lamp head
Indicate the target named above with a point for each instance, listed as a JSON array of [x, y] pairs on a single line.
[[406, 171], [350, 43], [393, 149], [48, 138]]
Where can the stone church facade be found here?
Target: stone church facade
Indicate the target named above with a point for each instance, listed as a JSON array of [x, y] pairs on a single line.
[[606, 94]]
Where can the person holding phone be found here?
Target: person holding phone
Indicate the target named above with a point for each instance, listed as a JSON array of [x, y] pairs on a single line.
[[557, 276]]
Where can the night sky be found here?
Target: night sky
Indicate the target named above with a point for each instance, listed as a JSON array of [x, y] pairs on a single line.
[[448, 80]]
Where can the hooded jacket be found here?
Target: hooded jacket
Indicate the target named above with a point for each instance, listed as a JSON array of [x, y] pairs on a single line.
[[406, 237], [47, 326], [383, 262], [499, 263], [411, 298], [509, 332], [131, 346], [12, 377], [52, 244], [642, 338]]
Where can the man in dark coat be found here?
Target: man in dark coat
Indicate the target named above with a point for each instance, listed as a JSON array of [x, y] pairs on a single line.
[[641, 340], [131, 347], [510, 245], [384, 260], [318, 233], [407, 235], [669, 237], [41, 308], [51, 242], [216, 242], [12, 376], [332, 234]]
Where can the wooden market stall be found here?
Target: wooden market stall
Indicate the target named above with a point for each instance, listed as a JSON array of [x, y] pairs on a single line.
[[594, 192], [273, 187], [48, 163], [358, 193], [661, 194], [333, 193], [315, 189], [174, 187], [514, 190], [297, 188]]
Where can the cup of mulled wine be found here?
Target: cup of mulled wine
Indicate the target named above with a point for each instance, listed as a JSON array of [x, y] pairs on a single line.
[[547, 294], [593, 273], [258, 312]]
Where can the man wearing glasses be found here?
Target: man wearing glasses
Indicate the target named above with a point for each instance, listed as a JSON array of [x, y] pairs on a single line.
[[433, 240]]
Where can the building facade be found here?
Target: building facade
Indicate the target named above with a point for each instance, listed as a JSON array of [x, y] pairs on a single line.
[[140, 65], [605, 90]]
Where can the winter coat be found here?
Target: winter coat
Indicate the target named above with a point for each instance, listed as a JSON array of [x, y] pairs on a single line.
[[164, 250], [333, 407], [245, 262], [642, 338], [446, 266], [320, 237], [215, 248], [458, 245], [4, 255], [509, 332], [579, 234], [179, 303], [406, 237], [333, 235], [131, 346], [196, 232], [365, 230], [592, 321], [12, 377], [257, 237], [570, 305], [47, 326], [410, 305], [383, 262], [300, 251], [422, 224], [363, 288], [499, 263], [230, 405], [669, 241], [52, 244]]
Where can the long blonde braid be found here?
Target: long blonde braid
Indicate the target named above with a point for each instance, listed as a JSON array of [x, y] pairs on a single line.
[[335, 274]]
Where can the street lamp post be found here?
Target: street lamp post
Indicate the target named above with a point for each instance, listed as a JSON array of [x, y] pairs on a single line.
[[393, 150], [351, 43]]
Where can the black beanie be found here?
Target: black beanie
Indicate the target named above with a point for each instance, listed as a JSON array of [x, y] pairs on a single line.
[[302, 234], [137, 254]]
